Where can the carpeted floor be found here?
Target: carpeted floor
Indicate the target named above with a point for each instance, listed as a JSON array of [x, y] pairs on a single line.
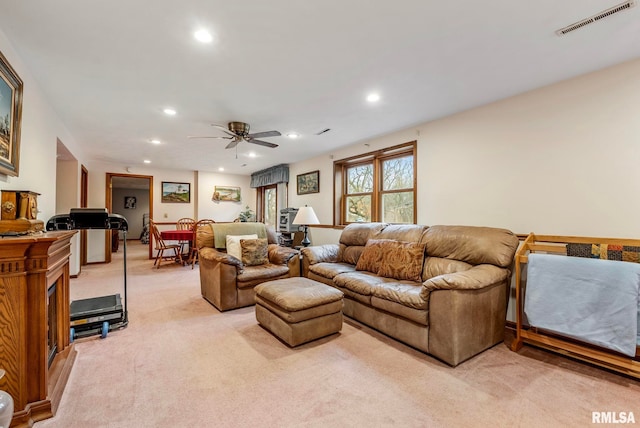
[[181, 363]]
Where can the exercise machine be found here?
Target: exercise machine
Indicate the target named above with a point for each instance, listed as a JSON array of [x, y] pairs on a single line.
[[95, 315]]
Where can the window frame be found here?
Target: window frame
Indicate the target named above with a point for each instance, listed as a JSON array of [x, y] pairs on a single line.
[[261, 200], [376, 159]]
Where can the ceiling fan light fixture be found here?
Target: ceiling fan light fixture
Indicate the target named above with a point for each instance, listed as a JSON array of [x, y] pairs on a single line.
[[293, 135], [373, 97], [203, 36]]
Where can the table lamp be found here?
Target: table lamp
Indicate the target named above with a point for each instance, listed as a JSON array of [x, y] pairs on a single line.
[[305, 217]]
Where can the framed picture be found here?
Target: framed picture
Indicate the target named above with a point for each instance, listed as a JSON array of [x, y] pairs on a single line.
[[10, 118], [176, 192], [226, 193], [129, 202], [309, 182]]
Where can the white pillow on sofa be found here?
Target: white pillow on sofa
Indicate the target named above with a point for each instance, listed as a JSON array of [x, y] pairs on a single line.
[[233, 244]]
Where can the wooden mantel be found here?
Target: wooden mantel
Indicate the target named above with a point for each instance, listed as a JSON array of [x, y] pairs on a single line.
[[29, 265]]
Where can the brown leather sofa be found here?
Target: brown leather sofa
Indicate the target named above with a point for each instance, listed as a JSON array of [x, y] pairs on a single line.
[[225, 281], [453, 306]]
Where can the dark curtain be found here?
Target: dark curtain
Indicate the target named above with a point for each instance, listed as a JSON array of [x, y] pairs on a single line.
[[273, 175]]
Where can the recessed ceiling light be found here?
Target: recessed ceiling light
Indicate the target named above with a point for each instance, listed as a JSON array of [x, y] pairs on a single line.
[[146, 161], [221, 169], [252, 154], [155, 141], [293, 135], [203, 36], [373, 97], [169, 111]]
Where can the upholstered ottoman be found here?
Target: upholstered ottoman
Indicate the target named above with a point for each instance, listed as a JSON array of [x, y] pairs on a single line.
[[298, 310]]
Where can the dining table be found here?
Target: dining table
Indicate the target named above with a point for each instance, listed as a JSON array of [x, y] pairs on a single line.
[[180, 235]]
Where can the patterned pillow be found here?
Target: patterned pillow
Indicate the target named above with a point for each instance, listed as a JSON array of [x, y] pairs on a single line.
[[233, 244], [254, 251], [402, 260], [372, 255]]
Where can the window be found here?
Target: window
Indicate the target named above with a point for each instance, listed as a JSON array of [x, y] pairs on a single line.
[[267, 205], [377, 186]]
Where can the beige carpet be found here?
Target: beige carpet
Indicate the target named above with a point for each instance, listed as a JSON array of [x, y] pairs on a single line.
[[181, 363]]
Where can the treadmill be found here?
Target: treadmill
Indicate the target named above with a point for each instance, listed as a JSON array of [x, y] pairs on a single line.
[[96, 315]]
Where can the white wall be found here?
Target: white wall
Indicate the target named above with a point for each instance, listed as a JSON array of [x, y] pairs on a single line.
[[558, 160], [40, 130], [223, 211], [162, 212]]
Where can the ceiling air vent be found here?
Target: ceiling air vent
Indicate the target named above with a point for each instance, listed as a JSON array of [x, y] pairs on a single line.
[[608, 12]]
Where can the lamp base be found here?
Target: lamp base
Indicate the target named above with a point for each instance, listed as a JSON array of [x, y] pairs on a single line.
[[306, 241]]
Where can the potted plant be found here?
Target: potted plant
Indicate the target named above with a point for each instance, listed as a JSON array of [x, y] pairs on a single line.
[[246, 215]]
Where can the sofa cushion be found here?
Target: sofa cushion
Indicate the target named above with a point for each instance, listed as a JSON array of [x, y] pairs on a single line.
[[359, 233], [420, 316], [401, 232], [406, 293], [350, 254], [472, 244], [401, 260], [434, 266], [252, 274], [233, 244], [330, 270], [372, 254], [361, 282], [254, 252]]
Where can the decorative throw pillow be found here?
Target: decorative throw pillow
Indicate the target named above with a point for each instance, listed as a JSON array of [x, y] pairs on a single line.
[[372, 255], [402, 260], [233, 244], [254, 251]]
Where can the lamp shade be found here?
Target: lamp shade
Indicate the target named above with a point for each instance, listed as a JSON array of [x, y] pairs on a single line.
[[306, 216]]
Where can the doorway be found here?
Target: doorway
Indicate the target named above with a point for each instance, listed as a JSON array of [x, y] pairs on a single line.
[[130, 195]]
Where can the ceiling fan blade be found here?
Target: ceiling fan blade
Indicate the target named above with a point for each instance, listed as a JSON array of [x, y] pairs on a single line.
[[233, 143], [264, 134], [225, 130], [262, 143], [208, 136]]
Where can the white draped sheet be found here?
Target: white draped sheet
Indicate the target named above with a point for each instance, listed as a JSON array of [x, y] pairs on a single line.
[[593, 300]]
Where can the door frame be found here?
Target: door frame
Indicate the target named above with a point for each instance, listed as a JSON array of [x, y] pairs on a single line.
[[109, 204]]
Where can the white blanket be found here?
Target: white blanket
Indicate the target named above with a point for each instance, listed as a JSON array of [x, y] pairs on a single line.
[[593, 300]]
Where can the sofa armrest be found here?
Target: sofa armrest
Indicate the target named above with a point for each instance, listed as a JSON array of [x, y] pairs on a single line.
[[280, 255], [476, 278], [321, 253], [211, 254]]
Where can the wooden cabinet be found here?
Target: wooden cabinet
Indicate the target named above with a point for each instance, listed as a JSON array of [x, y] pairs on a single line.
[[34, 323]]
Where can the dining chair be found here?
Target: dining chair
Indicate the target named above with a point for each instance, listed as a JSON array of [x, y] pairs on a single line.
[[185, 223], [193, 253], [161, 247]]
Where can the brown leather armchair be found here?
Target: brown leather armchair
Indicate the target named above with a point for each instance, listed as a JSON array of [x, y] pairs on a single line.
[[225, 281]]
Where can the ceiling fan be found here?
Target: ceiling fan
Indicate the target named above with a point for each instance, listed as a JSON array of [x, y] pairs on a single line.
[[239, 131]]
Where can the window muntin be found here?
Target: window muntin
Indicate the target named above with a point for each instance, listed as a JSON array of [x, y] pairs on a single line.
[[377, 186]]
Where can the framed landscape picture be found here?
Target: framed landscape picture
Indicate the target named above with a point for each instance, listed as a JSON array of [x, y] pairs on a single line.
[[10, 118], [226, 193], [308, 182], [176, 192]]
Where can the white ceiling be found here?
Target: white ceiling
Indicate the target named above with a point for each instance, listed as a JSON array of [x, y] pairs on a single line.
[[109, 68]]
